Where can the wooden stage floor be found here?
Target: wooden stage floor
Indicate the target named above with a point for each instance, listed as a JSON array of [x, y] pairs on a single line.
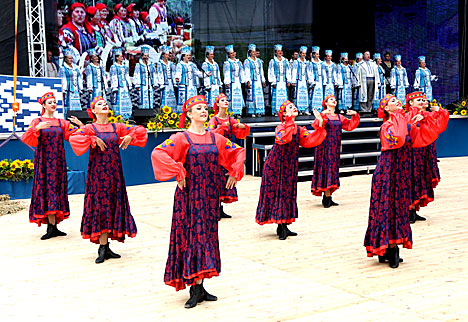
[[321, 275]]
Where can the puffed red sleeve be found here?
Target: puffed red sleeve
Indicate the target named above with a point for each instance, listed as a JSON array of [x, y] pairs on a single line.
[[231, 156], [316, 123], [349, 124], [238, 132], [309, 139], [441, 118], [393, 134], [168, 158], [82, 139], [284, 132], [425, 132], [31, 136], [138, 133], [215, 127], [68, 129]]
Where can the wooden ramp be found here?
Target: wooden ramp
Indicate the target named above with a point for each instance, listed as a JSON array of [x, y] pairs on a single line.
[[321, 275]]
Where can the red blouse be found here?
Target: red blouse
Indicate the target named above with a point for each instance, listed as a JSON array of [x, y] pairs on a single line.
[[393, 132], [222, 128], [441, 117], [346, 124], [31, 136], [85, 137], [168, 158], [308, 139]]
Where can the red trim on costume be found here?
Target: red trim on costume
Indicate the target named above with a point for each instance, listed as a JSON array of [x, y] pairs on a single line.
[[423, 201], [42, 219], [114, 235], [435, 182], [273, 221], [318, 191], [179, 284], [228, 199], [382, 249]]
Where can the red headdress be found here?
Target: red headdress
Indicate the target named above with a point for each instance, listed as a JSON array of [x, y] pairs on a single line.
[[326, 99], [215, 105], [43, 98], [412, 96], [143, 15], [77, 5], [382, 104], [93, 103], [130, 7], [191, 102], [100, 6], [282, 109]]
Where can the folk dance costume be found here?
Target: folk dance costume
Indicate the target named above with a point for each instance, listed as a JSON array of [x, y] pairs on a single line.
[[254, 75], [50, 186], [145, 79], [72, 84], [327, 155], [329, 75], [345, 84], [369, 81], [424, 178], [77, 35], [218, 125], [194, 246], [399, 80], [186, 78], [279, 76], [121, 29], [391, 184], [106, 208], [423, 79], [234, 76], [316, 93], [278, 192], [120, 84], [212, 83], [96, 81], [382, 89], [301, 75], [166, 77], [356, 83]]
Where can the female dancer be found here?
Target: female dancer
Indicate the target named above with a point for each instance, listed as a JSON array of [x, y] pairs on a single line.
[[49, 200], [213, 83], [399, 79], [326, 178], [277, 203], [194, 157], [316, 94], [279, 76], [329, 74], [389, 224], [166, 78], [106, 212], [120, 83], [228, 127], [72, 83], [234, 76], [301, 77], [255, 78], [186, 77], [424, 178], [96, 77]]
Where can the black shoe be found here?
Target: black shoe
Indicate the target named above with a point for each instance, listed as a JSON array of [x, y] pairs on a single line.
[[207, 296], [195, 296], [290, 233], [393, 254], [49, 233], [279, 229], [58, 232], [384, 258], [327, 202], [110, 253], [412, 216], [102, 254], [284, 232], [420, 218], [222, 214], [324, 200], [332, 203]]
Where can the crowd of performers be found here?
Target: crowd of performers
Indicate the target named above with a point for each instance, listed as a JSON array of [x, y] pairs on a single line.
[[358, 86], [207, 166]]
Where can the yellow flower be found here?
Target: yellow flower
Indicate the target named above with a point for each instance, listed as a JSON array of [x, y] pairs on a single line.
[[111, 119], [4, 163], [210, 116], [118, 118], [230, 114], [31, 166], [455, 113], [170, 122], [9, 174], [13, 166], [160, 118], [463, 112], [434, 101], [205, 125], [188, 125], [166, 109], [159, 125], [463, 103], [111, 113], [174, 115], [165, 116]]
